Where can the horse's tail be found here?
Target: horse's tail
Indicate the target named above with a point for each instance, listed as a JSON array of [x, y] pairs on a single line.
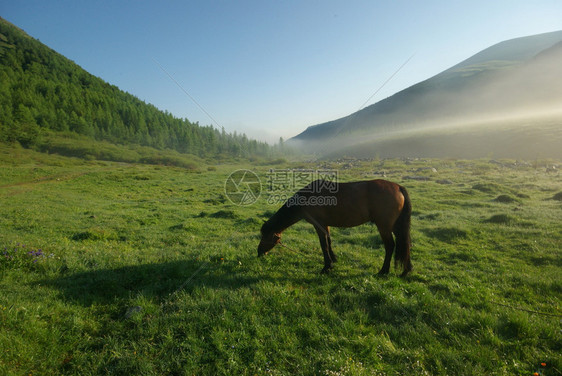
[[402, 233]]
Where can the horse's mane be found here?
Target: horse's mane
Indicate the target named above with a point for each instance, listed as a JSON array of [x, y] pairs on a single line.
[[283, 218]]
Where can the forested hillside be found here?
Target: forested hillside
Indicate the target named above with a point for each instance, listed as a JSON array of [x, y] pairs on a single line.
[[42, 92]]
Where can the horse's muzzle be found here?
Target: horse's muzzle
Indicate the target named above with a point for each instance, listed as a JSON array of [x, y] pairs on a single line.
[[261, 252]]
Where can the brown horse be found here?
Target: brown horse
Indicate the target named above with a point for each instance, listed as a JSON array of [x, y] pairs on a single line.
[[324, 204]]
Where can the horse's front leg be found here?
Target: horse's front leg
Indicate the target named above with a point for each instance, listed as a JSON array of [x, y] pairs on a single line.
[[332, 254], [323, 236]]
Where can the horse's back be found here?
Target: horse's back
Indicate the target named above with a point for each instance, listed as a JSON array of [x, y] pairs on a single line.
[[379, 201], [321, 186], [372, 190]]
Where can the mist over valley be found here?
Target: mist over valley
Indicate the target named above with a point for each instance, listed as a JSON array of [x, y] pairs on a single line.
[[505, 101]]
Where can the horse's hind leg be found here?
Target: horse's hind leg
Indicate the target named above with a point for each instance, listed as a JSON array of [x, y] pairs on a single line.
[[388, 241]]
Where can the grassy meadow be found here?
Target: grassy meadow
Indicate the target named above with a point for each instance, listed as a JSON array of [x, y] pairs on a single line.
[[113, 268]]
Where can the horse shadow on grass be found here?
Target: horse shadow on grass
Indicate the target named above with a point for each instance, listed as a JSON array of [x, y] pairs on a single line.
[[154, 281], [158, 281]]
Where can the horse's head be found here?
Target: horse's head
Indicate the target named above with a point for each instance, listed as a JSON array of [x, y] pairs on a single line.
[[269, 239]]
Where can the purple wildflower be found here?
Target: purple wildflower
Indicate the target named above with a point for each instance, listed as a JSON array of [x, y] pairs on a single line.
[[37, 253]]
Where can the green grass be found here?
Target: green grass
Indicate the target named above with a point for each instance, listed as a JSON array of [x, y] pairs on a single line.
[[147, 269], [79, 146]]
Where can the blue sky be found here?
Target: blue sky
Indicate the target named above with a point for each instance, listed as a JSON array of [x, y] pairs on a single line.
[[273, 68]]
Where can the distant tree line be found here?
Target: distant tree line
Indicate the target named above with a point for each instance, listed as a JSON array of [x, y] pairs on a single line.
[[42, 90]]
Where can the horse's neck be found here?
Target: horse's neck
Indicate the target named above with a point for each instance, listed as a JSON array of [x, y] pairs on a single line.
[[286, 217]]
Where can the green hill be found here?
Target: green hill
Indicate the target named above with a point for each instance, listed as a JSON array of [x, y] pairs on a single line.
[[514, 83], [45, 97]]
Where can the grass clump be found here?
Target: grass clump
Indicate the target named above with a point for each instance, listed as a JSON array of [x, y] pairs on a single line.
[[225, 214], [95, 234], [505, 199], [502, 219], [487, 187], [447, 234]]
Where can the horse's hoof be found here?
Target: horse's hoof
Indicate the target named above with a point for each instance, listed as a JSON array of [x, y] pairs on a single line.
[[383, 272], [405, 272], [326, 270]]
